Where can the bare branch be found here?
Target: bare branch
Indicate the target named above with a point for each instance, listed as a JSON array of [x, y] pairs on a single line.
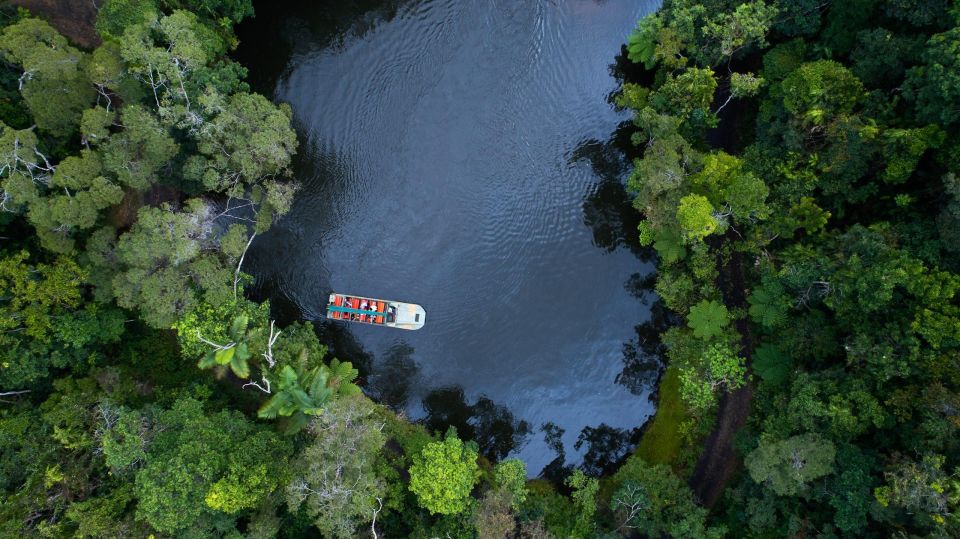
[[268, 355], [12, 394], [218, 347], [258, 386], [236, 274], [373, 525]]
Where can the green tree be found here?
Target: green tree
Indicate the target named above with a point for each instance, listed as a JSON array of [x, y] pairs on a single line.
[[207, 323], [334, 480], [817, 92], [925, 490], [234, 353], [788, 466], [881, 56], [730, 32], [584, 497], [167, 55], [727, 185], [200, 466], [695, 215], [52, 84], [242, 151], [687, 96], [718, 367], [934, 86], [124, 437], [166, 257], [443, 475], [137, 154], [114, 16], [216, 10], [903, 149], [511, 476], [24, 171], [653, 501], [800, 17], [771, 365], [44, 322], [301, 393], [78, 193], [642, 41]]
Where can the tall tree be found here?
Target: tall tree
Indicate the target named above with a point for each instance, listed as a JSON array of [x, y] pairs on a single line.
[[334, 480], [443, 475]]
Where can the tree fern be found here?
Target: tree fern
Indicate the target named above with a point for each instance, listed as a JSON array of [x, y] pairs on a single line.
[[642, 42], [708, 318], [771, 364], [669, 246], [768, 304]]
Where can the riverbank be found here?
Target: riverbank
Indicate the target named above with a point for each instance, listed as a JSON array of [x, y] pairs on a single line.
[[662, 438]]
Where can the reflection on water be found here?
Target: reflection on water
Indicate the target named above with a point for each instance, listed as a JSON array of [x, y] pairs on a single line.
[[643, 356], [606, 447], [395, 376], [557, 469], [464, 156], [492, 426]]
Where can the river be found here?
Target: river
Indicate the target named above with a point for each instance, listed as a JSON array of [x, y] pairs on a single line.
[[462, 155]]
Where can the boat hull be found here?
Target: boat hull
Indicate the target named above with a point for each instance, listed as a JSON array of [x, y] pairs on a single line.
[[375, 312]]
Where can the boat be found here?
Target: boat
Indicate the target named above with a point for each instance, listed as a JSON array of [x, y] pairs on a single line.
[[375, 312]]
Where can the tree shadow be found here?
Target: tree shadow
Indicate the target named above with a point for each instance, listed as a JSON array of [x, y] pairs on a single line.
[[645, 355], [607, 447], [282, 30], [607, 207], [557, 469], [394, 375], [491, 425], [343, 345]]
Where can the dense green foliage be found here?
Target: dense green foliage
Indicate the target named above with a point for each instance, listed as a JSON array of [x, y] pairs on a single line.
[[443, 475], [814, 260], [142, 394], [816, 252]]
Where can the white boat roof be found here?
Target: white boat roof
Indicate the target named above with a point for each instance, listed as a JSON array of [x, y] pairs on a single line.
[[409, 315]]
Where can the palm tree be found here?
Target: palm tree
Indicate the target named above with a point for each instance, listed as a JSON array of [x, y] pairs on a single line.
[[303, 393]]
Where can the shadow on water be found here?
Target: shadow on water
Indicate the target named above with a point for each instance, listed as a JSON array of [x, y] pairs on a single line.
[[396, 371], [606, 448], [344, 346], [608, 211], [492, 426], [644, 355], [297, 26], [558, 469], [607, 207], [379, 86]]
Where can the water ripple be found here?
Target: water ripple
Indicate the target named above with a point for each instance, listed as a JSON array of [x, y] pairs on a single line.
[[436, 167]]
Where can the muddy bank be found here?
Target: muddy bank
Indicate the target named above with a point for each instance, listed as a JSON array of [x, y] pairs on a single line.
[[72, 18]]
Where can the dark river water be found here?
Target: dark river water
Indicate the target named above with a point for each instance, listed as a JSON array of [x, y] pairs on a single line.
[[464, 156]]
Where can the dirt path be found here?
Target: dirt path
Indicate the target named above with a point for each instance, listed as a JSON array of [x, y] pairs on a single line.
[[72, 18], [719, 461]]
